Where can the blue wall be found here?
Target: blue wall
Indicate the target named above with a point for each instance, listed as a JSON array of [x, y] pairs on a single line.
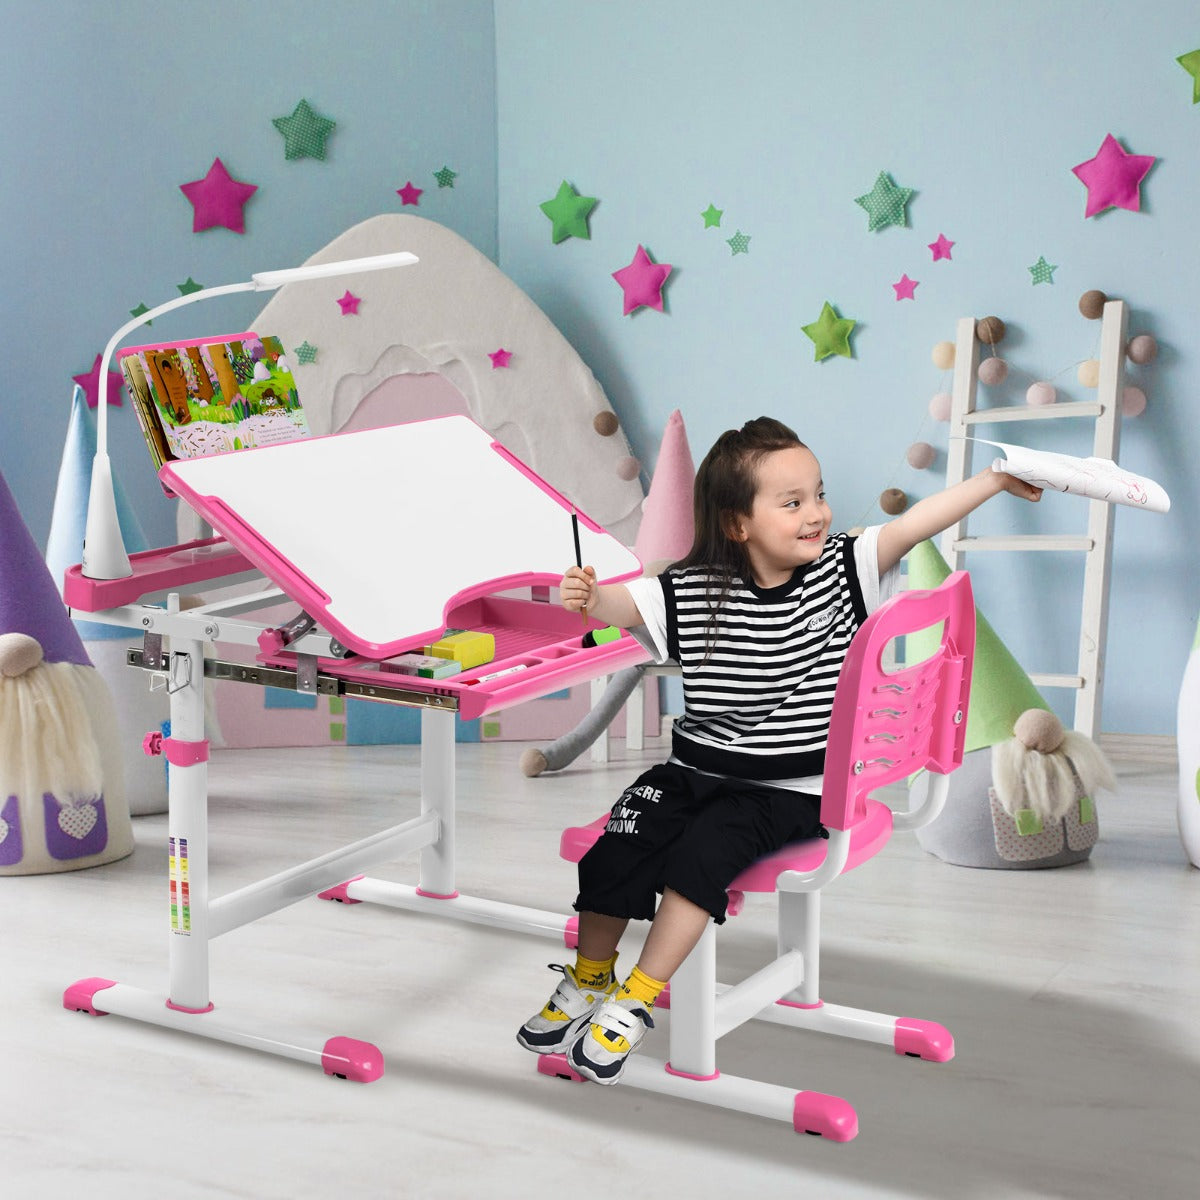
[[110, 107], [777, 112], [781, 113]]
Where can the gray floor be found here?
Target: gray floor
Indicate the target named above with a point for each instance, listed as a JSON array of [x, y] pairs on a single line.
[[1071, 994]]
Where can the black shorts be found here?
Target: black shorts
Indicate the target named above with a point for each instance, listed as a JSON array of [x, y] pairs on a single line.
[[693, 833]]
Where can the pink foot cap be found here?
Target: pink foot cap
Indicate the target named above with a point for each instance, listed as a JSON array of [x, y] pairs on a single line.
[[829, 1116], [80, 996], [664, 998], [557, 1065], [339, 893], [571, 933], [924, 1039], [352, 1059]]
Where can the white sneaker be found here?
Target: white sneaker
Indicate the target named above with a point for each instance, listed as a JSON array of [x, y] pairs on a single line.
[[612, 1035], [566, 1012]]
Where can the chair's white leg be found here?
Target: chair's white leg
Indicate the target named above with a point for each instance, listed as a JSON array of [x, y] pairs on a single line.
[[693, 1039], [635, 716], [800, 929], [600, 745]]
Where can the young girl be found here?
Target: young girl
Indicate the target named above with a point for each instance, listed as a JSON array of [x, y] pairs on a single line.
[[759, 616]]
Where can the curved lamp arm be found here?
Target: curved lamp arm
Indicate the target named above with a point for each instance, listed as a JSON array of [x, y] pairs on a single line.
[[104, 555]]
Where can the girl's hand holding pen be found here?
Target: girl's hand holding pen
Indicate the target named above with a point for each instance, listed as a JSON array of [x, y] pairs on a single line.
[[578, 590]]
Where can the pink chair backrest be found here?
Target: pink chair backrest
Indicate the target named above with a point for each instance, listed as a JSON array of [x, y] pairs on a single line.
[[889, 725]]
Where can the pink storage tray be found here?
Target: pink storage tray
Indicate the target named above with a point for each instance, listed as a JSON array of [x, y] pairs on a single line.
[[543, 639], [164, 569]]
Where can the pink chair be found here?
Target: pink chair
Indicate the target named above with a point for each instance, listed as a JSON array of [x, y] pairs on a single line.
[[886, 726]]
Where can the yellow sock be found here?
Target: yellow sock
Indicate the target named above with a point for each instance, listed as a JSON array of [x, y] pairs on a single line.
[[593, 973], [640, 986]]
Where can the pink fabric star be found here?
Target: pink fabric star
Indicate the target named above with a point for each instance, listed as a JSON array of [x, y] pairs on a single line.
[[349, 304], [218, 199], [642, 281], [500, 358], [91, 385], [941, 248], [409, 194], [905, 288], [1113, 178]]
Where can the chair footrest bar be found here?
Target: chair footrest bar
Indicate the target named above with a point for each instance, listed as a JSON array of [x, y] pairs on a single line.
[[462, 908], [742, 1002], [807, 1112], [345, 1057], [833, 1018]]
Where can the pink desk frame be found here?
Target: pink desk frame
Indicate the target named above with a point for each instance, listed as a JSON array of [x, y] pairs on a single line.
[[541, 637]]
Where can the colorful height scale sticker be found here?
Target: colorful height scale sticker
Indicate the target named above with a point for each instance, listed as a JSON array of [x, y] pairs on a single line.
[[180, 887]]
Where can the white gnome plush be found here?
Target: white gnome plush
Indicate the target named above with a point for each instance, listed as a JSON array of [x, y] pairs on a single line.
[[62, 798], [1044, 769]]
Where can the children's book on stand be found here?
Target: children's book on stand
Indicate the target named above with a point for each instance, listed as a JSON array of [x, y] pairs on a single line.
[[213, 395]]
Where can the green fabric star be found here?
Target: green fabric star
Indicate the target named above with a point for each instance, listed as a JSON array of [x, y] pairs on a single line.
[[1042, 271], [190, 286], [306, 353], [712, 216], [830, 334], [304, 132], [739, 243], [445, 177], [885, 203], [568, 213], [139, 311], [1190, 62]]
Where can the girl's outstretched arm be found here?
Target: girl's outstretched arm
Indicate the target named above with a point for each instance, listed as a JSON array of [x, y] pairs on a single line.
[[935, 513]]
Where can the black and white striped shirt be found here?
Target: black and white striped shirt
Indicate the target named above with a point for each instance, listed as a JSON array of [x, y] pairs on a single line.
[[758, 682]]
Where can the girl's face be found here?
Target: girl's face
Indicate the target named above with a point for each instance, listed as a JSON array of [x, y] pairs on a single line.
[[789, 521]]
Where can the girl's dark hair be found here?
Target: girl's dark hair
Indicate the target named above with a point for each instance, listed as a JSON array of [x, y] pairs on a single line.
[[725, 487]]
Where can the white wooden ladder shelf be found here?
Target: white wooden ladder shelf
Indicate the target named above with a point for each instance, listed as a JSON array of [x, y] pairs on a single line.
[[1096, 542]]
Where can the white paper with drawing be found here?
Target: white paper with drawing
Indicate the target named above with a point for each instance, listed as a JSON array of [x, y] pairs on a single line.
[[1096, 478]]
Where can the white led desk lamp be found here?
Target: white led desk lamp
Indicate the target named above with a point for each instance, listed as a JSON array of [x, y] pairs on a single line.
[[104, 555]]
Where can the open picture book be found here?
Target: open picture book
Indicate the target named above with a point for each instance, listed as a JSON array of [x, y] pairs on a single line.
[[212, 395]]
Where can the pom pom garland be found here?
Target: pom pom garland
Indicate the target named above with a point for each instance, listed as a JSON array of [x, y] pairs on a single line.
[[920, 455], [943, 356], [939, 406], [1089, 373], [1092, 303], [893, 501], [1142, 349], [628, 468], [1040, 393], [990, 330], [1133, 402], [605, 423], [992, 371]]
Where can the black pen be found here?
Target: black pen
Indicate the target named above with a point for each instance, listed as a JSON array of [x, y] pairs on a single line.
[[578, 556]]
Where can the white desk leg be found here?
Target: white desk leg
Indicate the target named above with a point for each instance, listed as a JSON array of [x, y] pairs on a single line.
[[187, 834], [437, 795], [600, 745]]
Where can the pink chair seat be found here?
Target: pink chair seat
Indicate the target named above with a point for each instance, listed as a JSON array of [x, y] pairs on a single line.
[[867, 838]]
